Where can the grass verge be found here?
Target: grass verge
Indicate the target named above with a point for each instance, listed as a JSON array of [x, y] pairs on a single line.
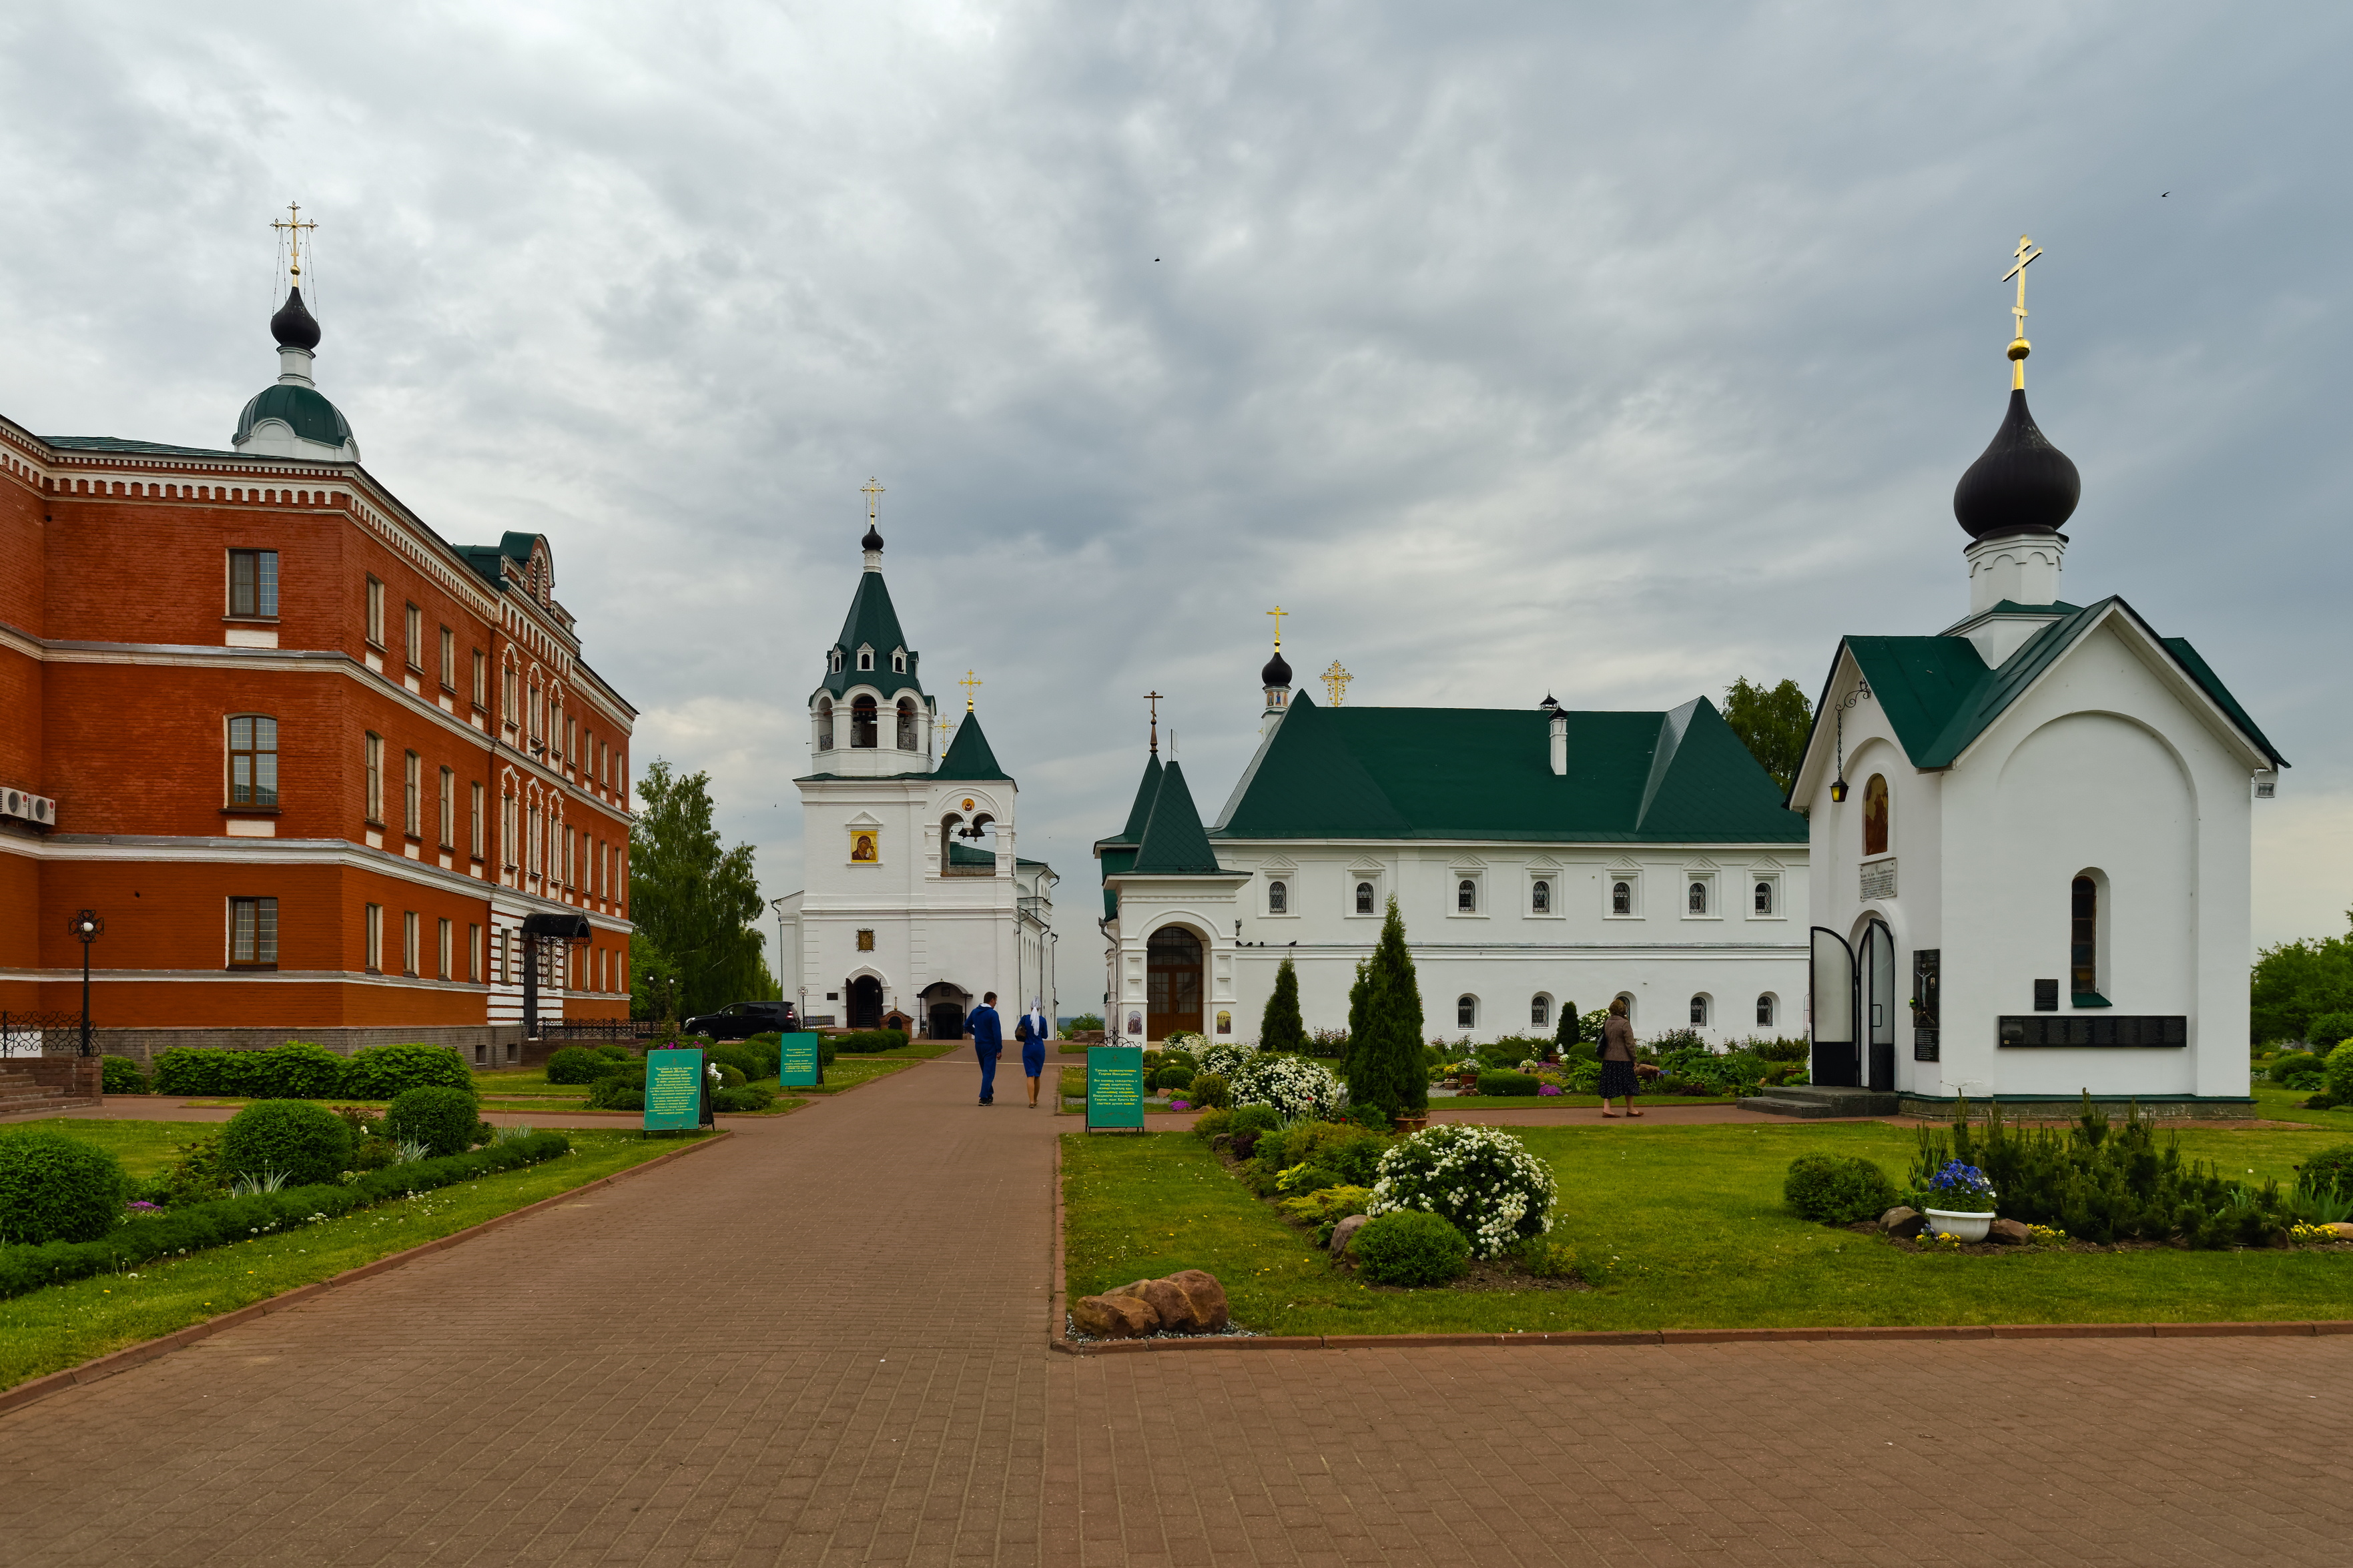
[[64, 1325], [849, 1072], [1570, 1102], [1679, 1227]]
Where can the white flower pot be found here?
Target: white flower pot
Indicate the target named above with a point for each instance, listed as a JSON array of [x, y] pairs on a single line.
[[1959, 1226]]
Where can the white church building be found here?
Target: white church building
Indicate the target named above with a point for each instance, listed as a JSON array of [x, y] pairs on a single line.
[[916, 903], [1542, 859], [2031, 832]]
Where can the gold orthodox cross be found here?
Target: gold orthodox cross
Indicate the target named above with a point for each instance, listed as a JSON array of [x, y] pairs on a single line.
[[1278, 613], [2020, 347], [1335, 681], [942, 724], [969, 681], [294, 227], [1153, 697], [873, 494]]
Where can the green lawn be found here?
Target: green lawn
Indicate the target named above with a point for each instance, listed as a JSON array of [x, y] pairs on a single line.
[[2275, 1104], [849, 1072], [1570, 1102], [1685, 1230], [64, 1325]]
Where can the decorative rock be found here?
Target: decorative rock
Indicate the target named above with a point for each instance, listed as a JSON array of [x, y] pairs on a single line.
[[1345, 1232], [1208, 1297], [1175, 1306], [1114, 1317], [1903, 1222], [2343, 1230], [2008, 1233]]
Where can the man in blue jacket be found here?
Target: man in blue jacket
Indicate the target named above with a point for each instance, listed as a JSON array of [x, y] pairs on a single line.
[[987, 1032]]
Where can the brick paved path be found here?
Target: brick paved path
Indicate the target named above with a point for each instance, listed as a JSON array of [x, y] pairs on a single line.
[[821, 1343]]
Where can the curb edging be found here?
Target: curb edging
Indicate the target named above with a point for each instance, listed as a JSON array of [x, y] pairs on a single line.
[[107, 1365], [1663, 1338]]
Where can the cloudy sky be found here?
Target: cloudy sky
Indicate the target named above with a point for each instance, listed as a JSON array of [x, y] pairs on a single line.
[[1614, 351]]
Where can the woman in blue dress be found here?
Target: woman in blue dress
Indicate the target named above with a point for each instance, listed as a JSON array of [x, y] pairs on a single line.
[[1032, 1031]]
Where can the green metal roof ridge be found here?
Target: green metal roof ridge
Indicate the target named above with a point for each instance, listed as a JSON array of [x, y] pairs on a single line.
[[2203, 673], [969, 758], [2008, 682], [1249, 769], [1173, 844], [155, 448], [1671, 726]]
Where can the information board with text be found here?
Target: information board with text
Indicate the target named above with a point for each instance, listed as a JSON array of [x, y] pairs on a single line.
[[802, 1065], [674, 1089], [1115, 1086]]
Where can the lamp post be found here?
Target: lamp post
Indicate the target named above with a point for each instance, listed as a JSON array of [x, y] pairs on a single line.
[[86, 926]]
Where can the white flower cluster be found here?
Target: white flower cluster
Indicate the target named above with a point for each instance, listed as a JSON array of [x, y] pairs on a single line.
[[1482, 1178], [1224, 1058], [1295, 1086]]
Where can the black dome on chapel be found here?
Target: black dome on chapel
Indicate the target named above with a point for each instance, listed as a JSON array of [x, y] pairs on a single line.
[[294, 327], [873, 540], [1276, 673], [2021, 483]]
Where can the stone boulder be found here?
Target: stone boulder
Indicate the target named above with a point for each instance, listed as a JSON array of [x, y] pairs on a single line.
[[2008, 1233], [1345, 1232], [1210, 1313], [1114, 1317], [1903, 1222], [2344, 1231]]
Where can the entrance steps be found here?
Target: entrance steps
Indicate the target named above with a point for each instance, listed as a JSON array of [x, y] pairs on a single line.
[[1817, 1102], [22, 1094]]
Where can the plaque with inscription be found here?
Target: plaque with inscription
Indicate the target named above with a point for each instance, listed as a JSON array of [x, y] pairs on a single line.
[[1879, 878]]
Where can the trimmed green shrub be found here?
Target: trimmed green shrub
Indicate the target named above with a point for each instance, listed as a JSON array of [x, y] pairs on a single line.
[[1210, 1089], [1255, 1118], [56, 1188], [297, 1070], [1173, 1077], [121, 1075], [746, 1063], [869, 1041], [731, 1076], [443, 1119], [747, 1097], [1547, 1259], [1351, 1155], [1837, 1189], [2330, 1171], [203, 1071], [215, 1224], [1482, 1180], [1370, 1117], [383, 1072], [1411, 1248], [2329, 1031], [1280, 1027], [577, 1064], [621, 1089], [1210, 1123], [1498, 1083], [767, 1053], [195, 1176], [2337, 1074], [2292, 1064], [1385, 1042], [309, 1142]]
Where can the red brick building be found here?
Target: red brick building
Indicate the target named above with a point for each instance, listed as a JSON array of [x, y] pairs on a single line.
[[314, 765]]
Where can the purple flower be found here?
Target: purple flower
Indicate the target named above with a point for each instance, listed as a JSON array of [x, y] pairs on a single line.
[[1548, 1088], [142, 1205], [1179, 1105]]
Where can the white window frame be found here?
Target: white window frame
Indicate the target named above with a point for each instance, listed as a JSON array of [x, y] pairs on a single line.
[[899, 662], [1550, 875], [1771, 874], [1632, 877], [1705, 1002], [1552, 1011], [1348, 894], [1471, 997], [1705, 876], [1770, 1002], [865, 658], [1286, 874], [1475, 873]]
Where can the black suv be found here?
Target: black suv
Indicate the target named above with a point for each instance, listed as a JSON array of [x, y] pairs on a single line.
[[742, 1020]]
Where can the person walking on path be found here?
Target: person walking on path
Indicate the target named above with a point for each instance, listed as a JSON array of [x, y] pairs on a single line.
[[987, 1032], [1032, 1031], [1617, 1061]]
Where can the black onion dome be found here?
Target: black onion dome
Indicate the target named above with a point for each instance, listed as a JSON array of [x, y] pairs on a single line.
[[294, 327], [873, 540], [1276, 672], [2021, 483]]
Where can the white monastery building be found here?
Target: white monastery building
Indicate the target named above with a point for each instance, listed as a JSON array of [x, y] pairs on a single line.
[[2031, 832], [916, 904], [1542, 859]]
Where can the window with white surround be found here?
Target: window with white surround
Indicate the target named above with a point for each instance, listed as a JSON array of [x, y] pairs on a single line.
[[474, 819], [865, 658], [375, 612], [899, 662], [474, 952], [413, 639], [1540, 896], [1622, 895], [1628, 997], [1699, 1011], [372, 929], [252, 933], [1540, 1011], [482, 680], [1699, 895], [447, 946], [1278, 896], [371, 755], [1466, 1012], [1764, 898], [448, 659], [252, 760], [1364, 894], [253, 584], [1766, 1010], [411, 787]]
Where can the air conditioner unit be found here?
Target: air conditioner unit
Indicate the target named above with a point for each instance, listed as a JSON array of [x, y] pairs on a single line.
[[27, 807]]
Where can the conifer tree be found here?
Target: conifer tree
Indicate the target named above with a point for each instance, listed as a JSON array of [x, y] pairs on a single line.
[[1280, 1027], [1566, 1037], [1387, 1066]]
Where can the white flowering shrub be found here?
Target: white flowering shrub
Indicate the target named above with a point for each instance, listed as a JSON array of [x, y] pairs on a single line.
[[1295, 1086], [1224, 1058], [1482, 1178]]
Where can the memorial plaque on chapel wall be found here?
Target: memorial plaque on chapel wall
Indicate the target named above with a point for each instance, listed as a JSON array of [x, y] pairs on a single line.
[[674, 1089], [1879, 880]]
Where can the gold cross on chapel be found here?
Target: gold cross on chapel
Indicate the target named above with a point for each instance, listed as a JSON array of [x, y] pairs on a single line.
[[2020, 347], [1153, 697], [969, 681], [1278, 613], [873, 494], [294, 225], [1335, 681]]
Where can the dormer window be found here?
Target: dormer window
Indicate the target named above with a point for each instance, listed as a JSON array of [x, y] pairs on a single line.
[[899, 662], [833, 662], [866, 658]]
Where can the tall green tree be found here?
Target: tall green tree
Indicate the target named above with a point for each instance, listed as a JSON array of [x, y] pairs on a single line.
[[1387, 1063], [1280, 1027], [1568, 1035], [696, 904], [1771, 724], [2297, 982]]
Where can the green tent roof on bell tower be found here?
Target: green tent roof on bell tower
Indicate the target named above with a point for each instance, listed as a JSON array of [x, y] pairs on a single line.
[[968, 757]]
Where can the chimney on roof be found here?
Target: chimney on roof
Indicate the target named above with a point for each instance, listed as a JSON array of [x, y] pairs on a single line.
[[1559, 718]]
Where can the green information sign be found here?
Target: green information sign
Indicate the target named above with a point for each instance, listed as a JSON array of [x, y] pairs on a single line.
[[1115, 1086], [802, 1066], [674, 1089]]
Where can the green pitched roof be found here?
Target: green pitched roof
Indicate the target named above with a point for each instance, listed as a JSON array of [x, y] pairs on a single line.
[[968, 756], [1939, 695], [1487, 773], [120, 444], [873, 623], [1173, 844]]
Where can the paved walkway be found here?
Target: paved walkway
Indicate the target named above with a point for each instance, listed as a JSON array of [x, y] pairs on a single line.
[[821, 1343]]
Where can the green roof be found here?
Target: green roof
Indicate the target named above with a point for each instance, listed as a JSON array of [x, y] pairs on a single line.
[[873, 623], [1487, 773], [1118, 853], [968, 756], [1173, 844], [119, 444], [305, 410], [958, 855], [1939, 695]]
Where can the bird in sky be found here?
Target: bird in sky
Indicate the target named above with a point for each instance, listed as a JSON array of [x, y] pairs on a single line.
[[2162, 194]]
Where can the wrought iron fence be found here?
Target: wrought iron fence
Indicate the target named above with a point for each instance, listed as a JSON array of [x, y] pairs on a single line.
[[41, 1033], [598, 1029]]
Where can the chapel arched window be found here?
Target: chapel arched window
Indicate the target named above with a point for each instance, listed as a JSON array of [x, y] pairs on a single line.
[[862, 726], [1875, 815], [2084, 938], [1697, 899], [908, 729], [1764, 1010], [1621, 898], [1466, 1012], [1466, 897], [1364, 898], [1699, 1012], [825, 723], [1764, 898], [1540, 1010], [1278, 898], [1540, 899]]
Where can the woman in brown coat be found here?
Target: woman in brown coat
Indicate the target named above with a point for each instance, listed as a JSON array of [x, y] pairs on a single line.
[[1617, 1061]]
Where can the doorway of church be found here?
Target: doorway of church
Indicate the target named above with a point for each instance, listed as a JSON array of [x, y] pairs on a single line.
[[866, 1002], [947, 1021], [1172, 978]]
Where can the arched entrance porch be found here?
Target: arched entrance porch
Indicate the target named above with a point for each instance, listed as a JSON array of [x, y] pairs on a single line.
[[1172, 977]]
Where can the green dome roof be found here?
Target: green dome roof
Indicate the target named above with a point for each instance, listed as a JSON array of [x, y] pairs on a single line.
[[304, 411]]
